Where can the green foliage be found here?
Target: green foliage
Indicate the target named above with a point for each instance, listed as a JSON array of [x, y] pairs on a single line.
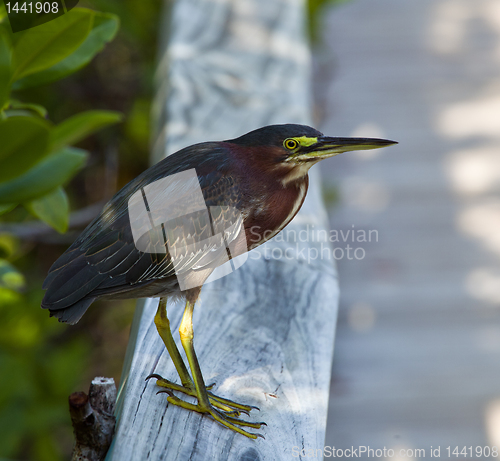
[[104, 28], [55, 170], [79, 126], [37, 377], [6, 208], [52, 208], [42, 47], [10, 277], [20, 108], [25, 141], [36, 374], [36, 160], [5, 66]]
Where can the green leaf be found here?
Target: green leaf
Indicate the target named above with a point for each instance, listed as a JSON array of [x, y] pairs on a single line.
[[24, 142], [43, 46], [10, 277], [5, 66], [9, 245], [54, 171], [104, 29], [36, 108], [16, 113], [6, 208], [52, 208], [79, 126]]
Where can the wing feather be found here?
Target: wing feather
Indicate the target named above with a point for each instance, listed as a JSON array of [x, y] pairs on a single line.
[[104, 260]]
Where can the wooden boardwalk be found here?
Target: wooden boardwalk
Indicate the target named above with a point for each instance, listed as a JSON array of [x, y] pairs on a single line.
[[417, 355]]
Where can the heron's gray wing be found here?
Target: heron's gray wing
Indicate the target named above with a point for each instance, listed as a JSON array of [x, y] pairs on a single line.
[[106, 259]]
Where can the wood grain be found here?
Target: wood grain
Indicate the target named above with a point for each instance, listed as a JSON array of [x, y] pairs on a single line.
[[264, 333]]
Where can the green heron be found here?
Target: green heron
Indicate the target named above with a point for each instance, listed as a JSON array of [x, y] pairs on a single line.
[[170, 228]]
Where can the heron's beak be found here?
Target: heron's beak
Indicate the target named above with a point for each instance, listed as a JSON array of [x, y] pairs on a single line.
[[329, 147]]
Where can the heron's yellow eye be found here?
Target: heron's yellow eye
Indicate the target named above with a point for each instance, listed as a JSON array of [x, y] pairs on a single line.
[[290, 144]]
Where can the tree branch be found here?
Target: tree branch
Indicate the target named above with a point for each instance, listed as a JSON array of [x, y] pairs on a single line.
[[93, 420]]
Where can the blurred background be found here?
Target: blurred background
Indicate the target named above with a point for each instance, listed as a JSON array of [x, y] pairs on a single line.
[[418, 339]]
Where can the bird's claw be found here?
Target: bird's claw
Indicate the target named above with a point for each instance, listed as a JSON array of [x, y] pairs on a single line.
[[225, 405], [224, 411], [221, 417]]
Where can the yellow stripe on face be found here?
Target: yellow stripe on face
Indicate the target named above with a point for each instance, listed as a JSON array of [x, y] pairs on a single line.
[[305, 141]]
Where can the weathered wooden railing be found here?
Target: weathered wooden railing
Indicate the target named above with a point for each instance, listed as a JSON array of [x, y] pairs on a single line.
[[264, 333]]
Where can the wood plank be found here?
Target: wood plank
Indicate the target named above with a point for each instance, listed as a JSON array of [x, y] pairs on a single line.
[[264, 333]]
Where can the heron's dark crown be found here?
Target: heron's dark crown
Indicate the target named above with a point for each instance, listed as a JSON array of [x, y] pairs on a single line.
[[274, 135]]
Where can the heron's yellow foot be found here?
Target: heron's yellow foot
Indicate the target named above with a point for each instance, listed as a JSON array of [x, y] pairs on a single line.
[[228, 406], [221, 417], [224, 411]]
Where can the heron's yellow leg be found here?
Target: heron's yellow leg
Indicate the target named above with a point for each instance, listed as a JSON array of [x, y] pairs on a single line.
[[163, 326], [204, 402], [186, 334]]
